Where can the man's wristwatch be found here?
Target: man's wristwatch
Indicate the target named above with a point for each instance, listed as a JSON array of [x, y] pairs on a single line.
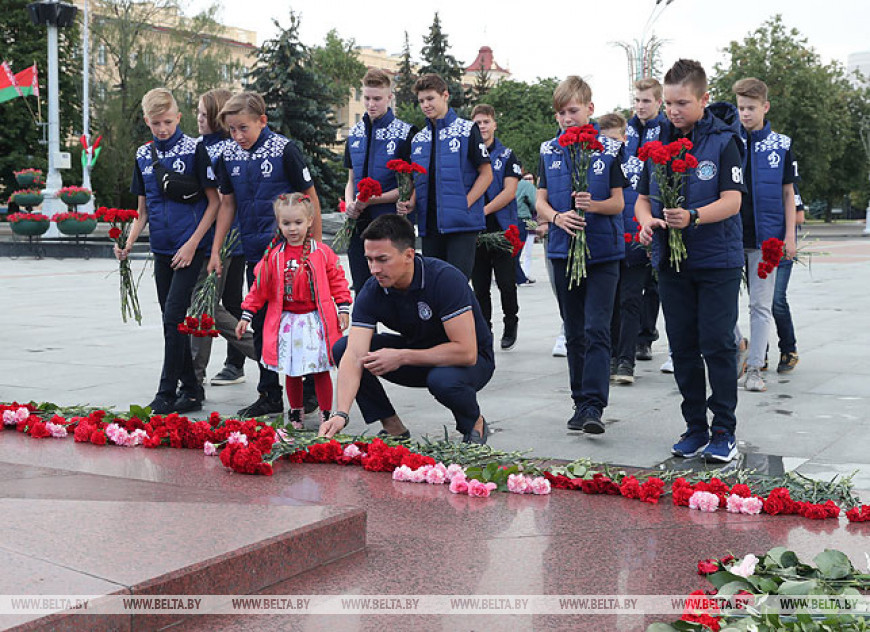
[[693, 217], [345, 416]]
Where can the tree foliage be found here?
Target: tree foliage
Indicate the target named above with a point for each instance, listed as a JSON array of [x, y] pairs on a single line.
[[298, 106], [437, 59], [524, 113], [810, 101], [23, 44], [337, 60], [482, 85], [406, 78]]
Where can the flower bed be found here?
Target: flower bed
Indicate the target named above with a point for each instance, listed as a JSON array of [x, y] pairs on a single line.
[[73, 196], [75, 223], [255, 447], [29, 224]]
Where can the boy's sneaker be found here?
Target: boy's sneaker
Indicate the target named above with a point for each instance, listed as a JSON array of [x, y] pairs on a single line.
[[529, 281], [753, 381], [613, 367], [264, 405], [691, 443], [509, 337], [643, 352], [722, 447], [624, 374], [187, 403], [560, 350], [576, 421], [787, 362], [592, 424], [161, 405], [228, 375], [668, 366]]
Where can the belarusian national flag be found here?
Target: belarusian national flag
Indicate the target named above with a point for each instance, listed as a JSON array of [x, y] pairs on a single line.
[[22, 84]]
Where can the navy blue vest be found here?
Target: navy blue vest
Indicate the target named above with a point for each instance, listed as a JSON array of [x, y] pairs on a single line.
[[454, 176], [215, 144], [257, 177], [632, 168], [387, 134], [769, 151], [170, 223], [716, 245], [637, 133], [498, 156], [604, 233]]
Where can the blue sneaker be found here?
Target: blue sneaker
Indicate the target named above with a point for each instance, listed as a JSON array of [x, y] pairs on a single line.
[[722, 447], [691, 443]]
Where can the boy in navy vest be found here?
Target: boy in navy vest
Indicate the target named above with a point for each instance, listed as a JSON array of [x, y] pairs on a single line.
[[700, 301], [254, 170], [586, 308], [500, 209], [449, 196], [768, 210], [633, 270], [643, 127], [178, 235], [378, 138]]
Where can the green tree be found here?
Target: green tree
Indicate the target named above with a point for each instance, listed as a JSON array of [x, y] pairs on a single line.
[[337, 60], [128, 61], [524, 113], [23, 44], [482, 85], [299, 108], [809, 102], [405, 78], [437, 59]]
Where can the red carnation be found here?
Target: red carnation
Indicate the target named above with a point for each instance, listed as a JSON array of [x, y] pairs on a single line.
[[859, 514], [651, 490], [415, 168], [678, 166], [114, 232], [691, 161], [39, 431], [368, 188], [98, 437], [629, 487], [628, 237], [708, 566]]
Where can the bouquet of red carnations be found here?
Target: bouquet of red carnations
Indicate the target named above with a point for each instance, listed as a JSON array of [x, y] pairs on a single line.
[[121, 219], [405, 176], [581, 143], [366, 190], [671, 165], [507, 241], [199, 321]]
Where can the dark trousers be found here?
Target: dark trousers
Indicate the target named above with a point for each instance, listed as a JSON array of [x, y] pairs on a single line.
[[455, 387], [269, 384], [781, 310], [231, 299], [174, 289], [649, 314], [625, 324], [457, 249], [586, 311], [700, 308], [356, 260], [500, 262]]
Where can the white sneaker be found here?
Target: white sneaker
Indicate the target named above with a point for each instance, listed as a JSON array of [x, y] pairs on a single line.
[[753, 381], [668, 366], [559, 349]]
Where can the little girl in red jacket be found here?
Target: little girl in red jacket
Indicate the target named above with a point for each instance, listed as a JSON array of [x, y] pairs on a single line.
[[307, 300]]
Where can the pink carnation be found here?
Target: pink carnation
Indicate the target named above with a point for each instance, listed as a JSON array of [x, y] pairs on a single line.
[[21, 414], [540, 486], [752, 506], [237, 437], [458, 484], [518, 484], [56, 430], [480, 490], [453, 470], [734, 503], [209, 449], [704, 501], [282, 435], [437, 474], [402, 473], [9, 418], [351, 451]]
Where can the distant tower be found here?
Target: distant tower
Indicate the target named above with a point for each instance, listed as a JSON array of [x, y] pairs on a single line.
[[485, 64], [644, 53]]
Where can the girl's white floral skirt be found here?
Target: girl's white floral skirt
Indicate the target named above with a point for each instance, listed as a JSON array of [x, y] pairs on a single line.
[[301, 345]]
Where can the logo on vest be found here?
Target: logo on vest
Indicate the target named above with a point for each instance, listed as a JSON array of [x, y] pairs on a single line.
[[178, 165], [773, 159], [209, 173], [454, 145], [266, 168], [517, 169], [706, 170], [236, 171], [556, 164], [306, 175], [497, 166], [652, 133], [598, 167], [418, 151], [634, 180], [391, 147], [483, 150], [147, 171], [424, 311], [355, 144]]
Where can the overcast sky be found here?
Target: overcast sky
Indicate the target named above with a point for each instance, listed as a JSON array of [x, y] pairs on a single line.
[[560, 38]]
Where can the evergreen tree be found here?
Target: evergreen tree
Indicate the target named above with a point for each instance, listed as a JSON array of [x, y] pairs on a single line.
[[482, 85], [299, 107], [23, 44], [405, 78], [437, 59]]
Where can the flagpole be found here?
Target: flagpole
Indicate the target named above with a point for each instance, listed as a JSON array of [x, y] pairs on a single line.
[[86, 111]]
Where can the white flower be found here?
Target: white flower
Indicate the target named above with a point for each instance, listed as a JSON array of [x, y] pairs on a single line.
[[746, 566]]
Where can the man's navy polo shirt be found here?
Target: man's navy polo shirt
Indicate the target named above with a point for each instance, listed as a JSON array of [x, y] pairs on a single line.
[[438, 292]]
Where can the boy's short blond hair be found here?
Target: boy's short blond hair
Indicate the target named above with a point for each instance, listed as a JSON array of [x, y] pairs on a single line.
[[158, 101], [573, 88], [613, 120], [751, 88], [376, 78], [648, 83], [484, 109], [688, 72], [243, 103]]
